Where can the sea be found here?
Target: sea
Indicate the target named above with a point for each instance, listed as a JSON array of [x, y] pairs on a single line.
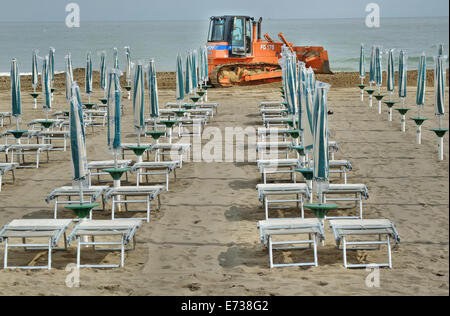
[[163, 40]]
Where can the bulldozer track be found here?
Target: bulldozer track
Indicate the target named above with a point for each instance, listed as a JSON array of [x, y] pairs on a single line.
[[236, 67]]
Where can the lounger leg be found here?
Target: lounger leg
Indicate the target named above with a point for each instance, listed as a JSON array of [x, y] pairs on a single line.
[[37, 160], [122, 253], [55, 209], [301, 206], [167, 181], [389, 252], [49, 267], [266, 204], [148, 209], [316, 261], [270, 252], [5, 258], [113, 207], [78, 252], [344, 251], [0, 183], [360, 207]]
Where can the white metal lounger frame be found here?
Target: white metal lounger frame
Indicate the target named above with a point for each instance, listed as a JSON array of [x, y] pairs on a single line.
[[263, 195], [359, 194], [32, 149], [52, 233], [48, 137], [92, 166], [341, 232], [158, 169], [93, 193], [4, 115], [278, 167], [161, 149], [314, 232], [7, 167], [194, 123], [127, 234], [116, 195]]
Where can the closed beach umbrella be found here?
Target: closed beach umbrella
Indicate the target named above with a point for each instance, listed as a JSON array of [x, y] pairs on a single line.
[[402, 75], [194, 69], [128, 57], [205, 65], [46, 89], [77, 137], [153, 90], [439, 87], [372, 71], [311, 79], [115, 58], [113, 112], [378, 68], [34, 71], [51, 65], [103, 74], [88, 86], [320, 147], [69, 78], [300, 98], [390, 80], [138, 100], [362, 64], [307, 119], [291, 91], [421, 82], [180, 80], [188, 75], [16, 101], [441, 50]]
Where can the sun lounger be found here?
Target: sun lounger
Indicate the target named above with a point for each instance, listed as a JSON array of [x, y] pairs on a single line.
[[7, 167], [291, 226], [3, 116], [278, 166], [273, 133], [50, 229], [300, 190], [96, 167], [48, 137], [155, 168], [359, 191], [275, 121], [28, 149], [3, 149], [333, 148], [340, 166], [205, 105], [271, 104], [164, 149], [195, 123], [273, 149], [94, 115], [344, 229], [72, 196], [119, 196], [125, 230]]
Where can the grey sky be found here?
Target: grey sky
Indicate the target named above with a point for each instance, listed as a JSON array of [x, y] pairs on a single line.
[[131, 10]]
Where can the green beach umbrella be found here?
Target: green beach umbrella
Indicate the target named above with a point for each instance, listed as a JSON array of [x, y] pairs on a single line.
[[88, 73], [378, 68], [77, 136], [291, 86], [103, 74], [34, 70], [115, 58], [441, 50], [51, 66], [402, 75], [372, 71], [180, 80], [16, 101], [68, 77], [128, 57], [320, 147], [188, 75], [362, 64], [153, 90], [138, 100], [46, 89], [308, 124], [194, 68], [114, 112], [390, 80], [439, 100], [300, 87], [421, 82]]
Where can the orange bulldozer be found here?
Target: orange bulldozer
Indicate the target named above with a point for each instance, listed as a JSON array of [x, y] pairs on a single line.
[[237, 55]]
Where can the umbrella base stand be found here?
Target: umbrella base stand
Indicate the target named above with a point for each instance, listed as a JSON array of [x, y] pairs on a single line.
[[440, 133], [370, 92], [103, 100], [300, 153], [419, 121], [403, 112], [390, 105], [321, 210], [34, 95], [82, 210], [139, 151], [116, 174], [379, 98], [362, 87], [169, 124], [308, 175], [128, 88]]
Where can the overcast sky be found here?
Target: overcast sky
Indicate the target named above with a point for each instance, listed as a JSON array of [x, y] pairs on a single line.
[[144, 10]]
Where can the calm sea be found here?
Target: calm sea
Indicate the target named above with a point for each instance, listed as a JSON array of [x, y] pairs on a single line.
[[162, 40]]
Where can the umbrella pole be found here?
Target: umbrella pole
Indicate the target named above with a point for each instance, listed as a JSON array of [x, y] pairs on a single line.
[[403, 117]]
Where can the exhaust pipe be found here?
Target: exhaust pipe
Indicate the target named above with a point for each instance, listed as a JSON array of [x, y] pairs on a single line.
[[259, 28]]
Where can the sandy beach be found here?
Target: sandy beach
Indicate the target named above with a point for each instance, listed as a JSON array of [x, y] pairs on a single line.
[[204, 239]]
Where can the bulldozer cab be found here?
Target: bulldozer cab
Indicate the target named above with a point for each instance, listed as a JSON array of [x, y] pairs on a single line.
[[235, 31]]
